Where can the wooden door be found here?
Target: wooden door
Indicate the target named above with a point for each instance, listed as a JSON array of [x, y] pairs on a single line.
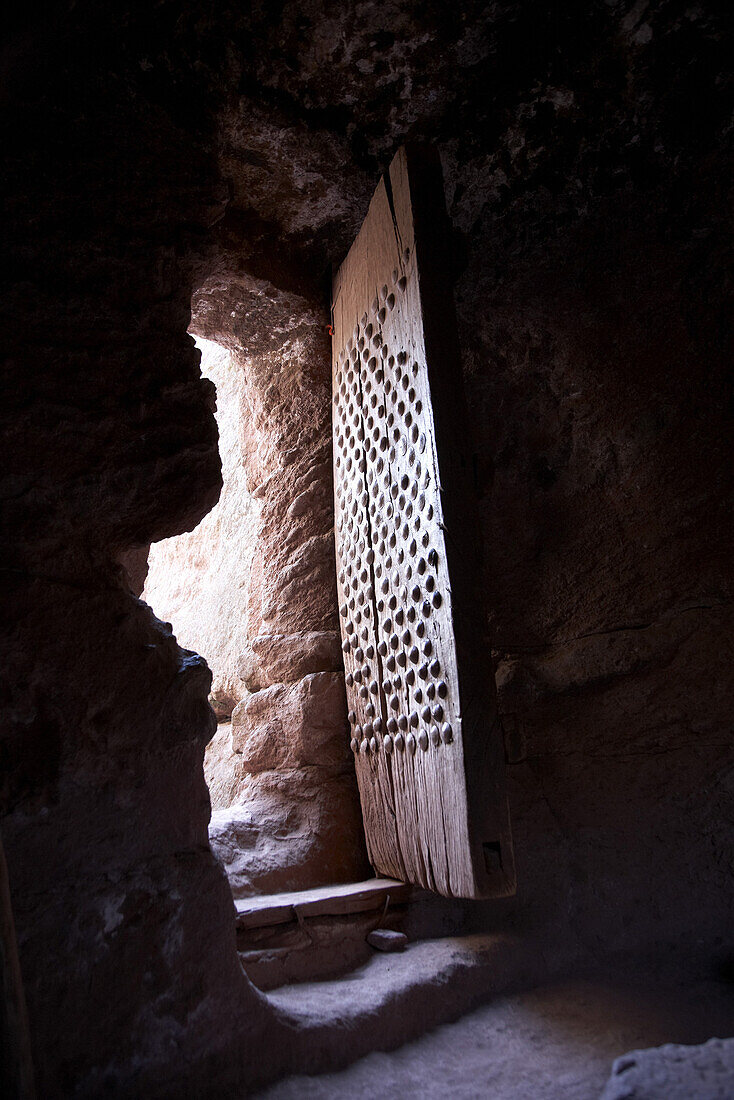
[[420, 689]]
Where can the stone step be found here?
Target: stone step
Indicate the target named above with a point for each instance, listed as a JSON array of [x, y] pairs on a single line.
[[395, 998], [322, 901], [320, 933], [556, 1037]]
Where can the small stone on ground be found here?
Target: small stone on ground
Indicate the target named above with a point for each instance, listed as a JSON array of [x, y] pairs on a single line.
[[384, 939]]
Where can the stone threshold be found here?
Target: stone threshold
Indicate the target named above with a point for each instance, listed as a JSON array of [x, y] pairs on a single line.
[[569, 1012], [322, 901], [393, 999]]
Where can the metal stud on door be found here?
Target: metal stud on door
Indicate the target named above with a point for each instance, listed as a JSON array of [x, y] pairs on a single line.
[[424, 729]]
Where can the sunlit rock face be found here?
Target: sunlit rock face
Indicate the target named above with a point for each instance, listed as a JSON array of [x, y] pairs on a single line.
[[200, 581], [283, 767], [297, 821], [252, 588]]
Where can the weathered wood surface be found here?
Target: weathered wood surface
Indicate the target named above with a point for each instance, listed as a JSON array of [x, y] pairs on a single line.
[[322, 901], [424, 727]]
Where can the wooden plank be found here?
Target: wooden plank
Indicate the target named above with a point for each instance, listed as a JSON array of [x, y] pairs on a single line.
[[353, 897], [424, 727]]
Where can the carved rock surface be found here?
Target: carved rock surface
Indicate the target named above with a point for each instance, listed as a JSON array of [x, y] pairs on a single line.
[[283, 658], [288, 725], [94, 775], [291, 828], [295, 826], [674, 1072], [291, 775]]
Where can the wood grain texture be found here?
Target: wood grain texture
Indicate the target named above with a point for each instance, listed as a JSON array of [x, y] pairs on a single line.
[[424, 727], [330, 901]]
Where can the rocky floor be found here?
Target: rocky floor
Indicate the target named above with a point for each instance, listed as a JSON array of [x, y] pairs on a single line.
[[557, 1041]]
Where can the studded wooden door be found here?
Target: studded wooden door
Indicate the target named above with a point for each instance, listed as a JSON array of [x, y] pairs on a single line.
[[420, 691]]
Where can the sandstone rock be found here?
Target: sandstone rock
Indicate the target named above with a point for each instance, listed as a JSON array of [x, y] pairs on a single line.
[[674, 1072], [294, 828], [121, 912], [291, 725], [302, 589], [225, 778], [253, 588], [199, 581], [283, 658]]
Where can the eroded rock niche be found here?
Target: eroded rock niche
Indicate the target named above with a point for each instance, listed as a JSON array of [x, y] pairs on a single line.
[[252, 589]]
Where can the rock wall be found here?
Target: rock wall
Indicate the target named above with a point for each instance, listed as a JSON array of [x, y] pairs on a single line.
[[123, 917], [286, 809], [588, 169], [674, 1071], [594, 306]]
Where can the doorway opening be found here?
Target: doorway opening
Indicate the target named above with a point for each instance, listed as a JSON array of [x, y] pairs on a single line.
[[251, 588], [286, 809]]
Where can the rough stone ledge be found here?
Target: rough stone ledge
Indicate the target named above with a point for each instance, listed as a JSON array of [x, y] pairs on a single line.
[[393, 999], [297, 827], [674, 1072]]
